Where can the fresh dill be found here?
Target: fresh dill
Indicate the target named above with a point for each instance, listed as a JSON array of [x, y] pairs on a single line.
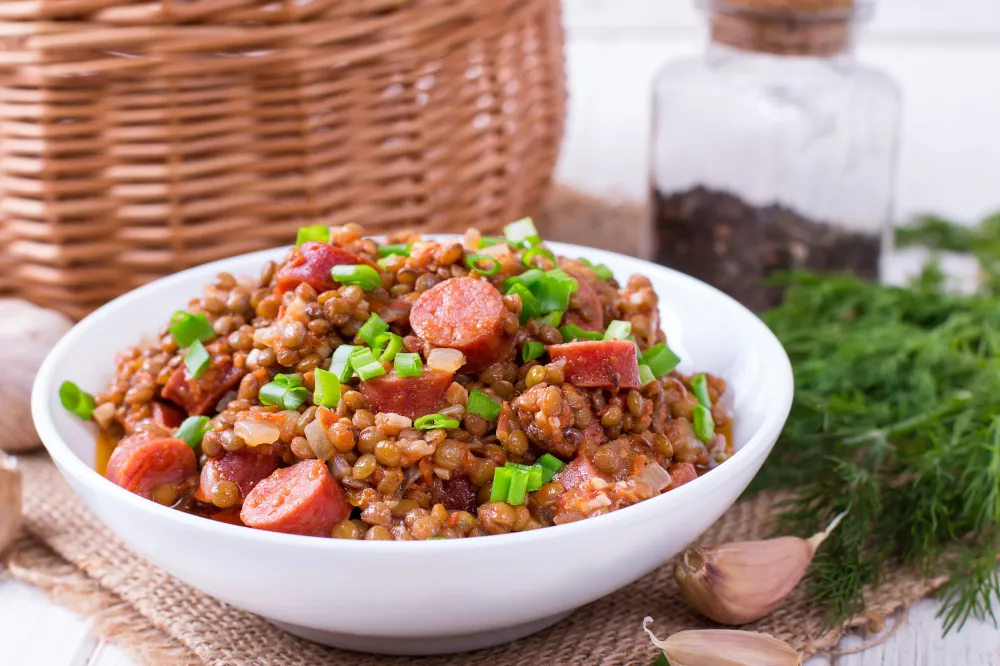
[[896, 419]]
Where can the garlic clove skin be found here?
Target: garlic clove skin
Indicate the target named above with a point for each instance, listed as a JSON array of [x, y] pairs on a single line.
[[740, 582], [724, 647], [10, 500]]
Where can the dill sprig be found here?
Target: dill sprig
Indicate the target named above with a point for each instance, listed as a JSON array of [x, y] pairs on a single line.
[[896, 419]]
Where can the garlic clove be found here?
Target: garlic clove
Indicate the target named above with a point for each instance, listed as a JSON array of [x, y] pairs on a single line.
[[724, 647], [10, 500], [740, 582]]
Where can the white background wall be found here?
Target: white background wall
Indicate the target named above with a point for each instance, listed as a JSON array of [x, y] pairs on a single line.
[[945, 54]]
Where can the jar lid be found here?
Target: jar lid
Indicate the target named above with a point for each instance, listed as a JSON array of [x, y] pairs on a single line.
[[785, 27], [813, 7]]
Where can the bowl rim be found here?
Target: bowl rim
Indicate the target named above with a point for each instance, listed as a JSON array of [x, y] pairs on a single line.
[[757, 446]]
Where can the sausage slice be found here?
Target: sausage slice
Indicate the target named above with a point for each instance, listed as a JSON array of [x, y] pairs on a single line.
[[578, 472], [246, 468], [311, 263], [200, 396], [599, 363], [143, 461], [681, 473], [412, 397], [466, 314], [167, 415], [301, 499], [586, 309]]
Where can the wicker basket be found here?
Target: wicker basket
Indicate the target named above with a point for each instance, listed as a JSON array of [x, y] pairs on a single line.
[[140, 138]]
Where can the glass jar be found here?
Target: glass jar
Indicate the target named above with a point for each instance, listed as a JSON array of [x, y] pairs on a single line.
[[774, 150]]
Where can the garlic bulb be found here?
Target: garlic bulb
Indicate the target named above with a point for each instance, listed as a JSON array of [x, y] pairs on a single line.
[[27, 333], [724, 647], [740, 582], [10, 500]]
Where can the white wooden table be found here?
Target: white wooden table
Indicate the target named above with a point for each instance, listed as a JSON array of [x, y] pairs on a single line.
[[36, 632]]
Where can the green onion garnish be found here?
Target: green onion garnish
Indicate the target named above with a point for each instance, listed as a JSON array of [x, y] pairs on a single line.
[[518, 487], [530, 254], [193, 430], [482, 405], [340, 364], [603, 272], [365, 364], [522, 233], [574, 332], [551, 319], [660, 359], [374, 327], [317, 233], [76, 400], [529, 304], [327, 391], [535, 474], [402, 249], [531, 350], [185, 328], [704, 424], [553, 290], [435, 421], [550, 466], [362, 275], [490, 241], [388, 345], [383, 262], [699, 386], [618, 330], [645, 374], [285, 391], [501, 484], [527, 278], [408, 365], [474, 261], [196, 359]]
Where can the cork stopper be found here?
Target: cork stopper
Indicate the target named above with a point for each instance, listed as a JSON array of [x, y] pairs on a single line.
[[784, 27]]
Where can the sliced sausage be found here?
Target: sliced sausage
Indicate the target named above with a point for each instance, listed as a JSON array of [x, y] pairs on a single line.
[[579, 471], [586, 309], [456, 493], [311, 263], [143, 461], [599, 363], [246, 468], [301, 499], [466, 314], [410, 396], [167, 415], [198, 397], [681, 473]]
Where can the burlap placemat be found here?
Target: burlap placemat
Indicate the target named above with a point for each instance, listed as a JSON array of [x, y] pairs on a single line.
[[68, 553]]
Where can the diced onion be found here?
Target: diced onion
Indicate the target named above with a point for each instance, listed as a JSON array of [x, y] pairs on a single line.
[[442, 473], [256, 433], [499, 250], [657, 477], [591, 505], [266, 335], [297, 310], [318, 442], [103, 414], [445, 360]]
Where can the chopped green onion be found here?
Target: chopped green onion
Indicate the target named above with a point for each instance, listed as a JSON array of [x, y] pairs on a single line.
[[553, 290], [522, 233], [660, 359], [374, 327], [193, 430], [387, 346], [574, 332], [76, 400], [530, 254], [362, 275], [285, 391], [402, 249], [196, 359], [603, 272], [618, 330], [383, 262], [482, 405], [699, 386], [704, 424], [435, 421], [645, 374], [551, 319], [527, 278], [531, 350], [185, 328], [408, 365], [535, 474], [340, 365], [317, 233], [502, 477], [490, 241], [364, 362], [529, 304], [327, 392], [550, 466], [518, 487], [472, 261]]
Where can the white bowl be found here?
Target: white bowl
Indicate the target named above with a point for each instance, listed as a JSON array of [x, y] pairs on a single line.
[[296, 581]]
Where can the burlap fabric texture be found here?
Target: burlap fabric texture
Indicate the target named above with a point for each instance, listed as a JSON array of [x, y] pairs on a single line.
[[72, 556]]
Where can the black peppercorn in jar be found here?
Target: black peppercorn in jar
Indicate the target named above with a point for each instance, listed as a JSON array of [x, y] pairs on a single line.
[[773, 151]]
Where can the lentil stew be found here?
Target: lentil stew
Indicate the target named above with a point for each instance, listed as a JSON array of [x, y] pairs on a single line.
[[407, 390]]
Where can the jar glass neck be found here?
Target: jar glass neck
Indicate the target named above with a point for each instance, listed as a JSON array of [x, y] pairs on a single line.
[[785, 34]]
